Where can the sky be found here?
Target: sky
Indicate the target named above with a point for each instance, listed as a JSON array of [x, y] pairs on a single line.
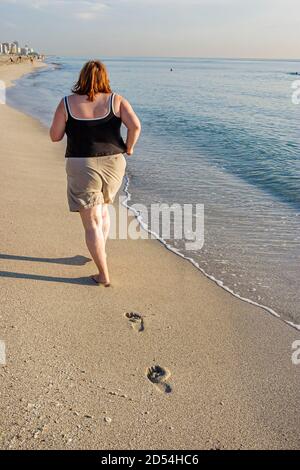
[[165, 28]]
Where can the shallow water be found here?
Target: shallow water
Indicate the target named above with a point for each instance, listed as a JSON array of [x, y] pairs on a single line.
[[223, 133]]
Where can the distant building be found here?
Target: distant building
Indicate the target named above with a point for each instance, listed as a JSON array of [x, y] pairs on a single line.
[[25, 50], [15, 48], [6, 47]]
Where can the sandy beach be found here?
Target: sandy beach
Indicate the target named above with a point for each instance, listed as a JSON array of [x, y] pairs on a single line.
[[76, 371]]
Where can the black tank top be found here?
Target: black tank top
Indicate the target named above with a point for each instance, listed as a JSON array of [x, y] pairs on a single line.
[[96, 137]]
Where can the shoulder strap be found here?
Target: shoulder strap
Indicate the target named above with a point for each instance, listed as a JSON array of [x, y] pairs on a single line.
[[111, 108], [67, 106]]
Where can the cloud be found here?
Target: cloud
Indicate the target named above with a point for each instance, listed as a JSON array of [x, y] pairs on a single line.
[[93, 9], [8, 24], [95, 3], [89, 10], [81, 9]]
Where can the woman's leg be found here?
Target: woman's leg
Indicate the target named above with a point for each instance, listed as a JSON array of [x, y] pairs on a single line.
[[105, 221], [94, 237]]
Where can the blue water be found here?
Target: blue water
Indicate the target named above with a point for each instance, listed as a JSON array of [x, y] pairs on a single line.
[[224, 133]]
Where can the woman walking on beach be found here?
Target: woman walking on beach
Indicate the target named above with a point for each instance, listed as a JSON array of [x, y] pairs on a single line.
[[95, 165]]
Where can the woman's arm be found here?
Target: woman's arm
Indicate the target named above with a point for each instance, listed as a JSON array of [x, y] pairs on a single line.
[[132, 122], [58, 127]]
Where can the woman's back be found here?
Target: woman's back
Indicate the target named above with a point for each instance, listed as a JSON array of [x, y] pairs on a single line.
[[93, 105], [82, 108], [92, 128]]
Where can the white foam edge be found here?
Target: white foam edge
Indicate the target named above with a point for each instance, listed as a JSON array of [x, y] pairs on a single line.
[[194, 263]]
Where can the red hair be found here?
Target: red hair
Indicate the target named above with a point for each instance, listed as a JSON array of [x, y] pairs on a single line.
[[93, 79]]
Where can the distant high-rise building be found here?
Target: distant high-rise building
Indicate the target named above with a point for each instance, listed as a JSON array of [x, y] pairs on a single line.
[[6, 47], [14, 48], [25, 50]]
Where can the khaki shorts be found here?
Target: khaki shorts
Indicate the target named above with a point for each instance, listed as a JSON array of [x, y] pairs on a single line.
[[93, 180]]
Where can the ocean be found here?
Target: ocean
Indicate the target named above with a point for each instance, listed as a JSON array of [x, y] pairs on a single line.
[[222, 133]]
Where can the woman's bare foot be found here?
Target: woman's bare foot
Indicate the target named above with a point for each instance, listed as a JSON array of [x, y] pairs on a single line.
[[100, 279]]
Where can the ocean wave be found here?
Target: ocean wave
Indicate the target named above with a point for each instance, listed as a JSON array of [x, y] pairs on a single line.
[[177, 252], [265, 160]]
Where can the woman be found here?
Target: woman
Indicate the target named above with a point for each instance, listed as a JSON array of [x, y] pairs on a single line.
[[95, 165]]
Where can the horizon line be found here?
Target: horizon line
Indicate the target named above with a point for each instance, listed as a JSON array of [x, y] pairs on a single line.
[[179, 57]]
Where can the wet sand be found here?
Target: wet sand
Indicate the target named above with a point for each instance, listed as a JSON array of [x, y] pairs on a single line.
[[78, 372]]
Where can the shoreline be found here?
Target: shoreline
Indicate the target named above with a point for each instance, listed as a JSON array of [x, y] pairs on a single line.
[[11, 72], [73, 358], [217, 281]]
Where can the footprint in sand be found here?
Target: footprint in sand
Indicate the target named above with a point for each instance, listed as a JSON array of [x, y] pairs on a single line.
[[136, 321], [158, 376]]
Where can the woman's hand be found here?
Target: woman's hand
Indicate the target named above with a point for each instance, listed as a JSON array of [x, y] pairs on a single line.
[[132, 122]]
